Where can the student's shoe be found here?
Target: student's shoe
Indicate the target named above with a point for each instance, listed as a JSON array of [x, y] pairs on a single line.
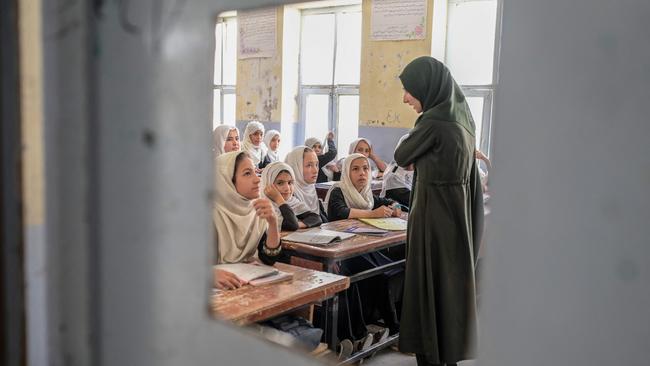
[[365, 342], [379, 333], [345, 349]]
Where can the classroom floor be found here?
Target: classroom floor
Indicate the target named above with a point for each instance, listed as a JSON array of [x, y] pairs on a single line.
[[389, 357]]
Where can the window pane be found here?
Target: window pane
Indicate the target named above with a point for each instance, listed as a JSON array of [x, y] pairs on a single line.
[[216, 108], [218, 31], [229, 105], [471, 27], [348, 48], [348, 123], [317, 49], [317, 115], [230, 52], [476, 106]]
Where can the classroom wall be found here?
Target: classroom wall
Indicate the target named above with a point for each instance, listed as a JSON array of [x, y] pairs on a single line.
[[259, 84], [267, 88], [383, 117], [380, 90]]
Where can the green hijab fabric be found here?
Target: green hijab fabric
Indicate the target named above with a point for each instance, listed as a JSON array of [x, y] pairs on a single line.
[[431, 83]]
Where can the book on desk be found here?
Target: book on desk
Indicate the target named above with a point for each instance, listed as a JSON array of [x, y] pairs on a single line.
[[317, 236], [255, 274], [362, 230]]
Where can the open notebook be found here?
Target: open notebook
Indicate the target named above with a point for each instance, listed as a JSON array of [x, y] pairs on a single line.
[[255, 274], [317, 236]]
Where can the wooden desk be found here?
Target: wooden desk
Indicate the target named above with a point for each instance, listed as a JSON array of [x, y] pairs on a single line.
[[250, 304], [354, 246], [326, 258]]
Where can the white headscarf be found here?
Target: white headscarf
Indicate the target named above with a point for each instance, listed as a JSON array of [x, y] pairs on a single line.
[[268, 177], [310, 142], [303, 191], [353, 144], [354, 199], [268, 136], [220, 135], [257, 153], [353, 147], [239, 229], [395, 176]]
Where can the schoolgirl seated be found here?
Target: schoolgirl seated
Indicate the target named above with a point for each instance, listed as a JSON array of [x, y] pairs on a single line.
[[246, 225], [272, 143], [226, 139], [364, 147], [247, 231], [254, 146], [367, 310], [278, 182], [397, 181], [352, 197], [326, 170], [304, 163]]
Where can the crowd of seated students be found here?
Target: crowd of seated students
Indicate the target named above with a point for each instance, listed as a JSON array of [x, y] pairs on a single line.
[[258, 195]]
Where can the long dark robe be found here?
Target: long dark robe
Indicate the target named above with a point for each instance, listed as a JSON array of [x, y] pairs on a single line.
[[439, 317]]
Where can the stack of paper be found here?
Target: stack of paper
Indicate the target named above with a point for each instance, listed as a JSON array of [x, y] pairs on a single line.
[[391, 223]]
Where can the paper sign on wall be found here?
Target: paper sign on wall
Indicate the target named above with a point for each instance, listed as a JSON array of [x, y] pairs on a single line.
[[394, 20], [257, 33]]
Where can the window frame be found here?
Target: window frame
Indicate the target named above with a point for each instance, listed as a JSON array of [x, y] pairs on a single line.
[[230, 89], [333, 90], [485, 91]]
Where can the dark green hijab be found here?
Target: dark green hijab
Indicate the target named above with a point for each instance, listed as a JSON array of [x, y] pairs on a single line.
[[431, 83]]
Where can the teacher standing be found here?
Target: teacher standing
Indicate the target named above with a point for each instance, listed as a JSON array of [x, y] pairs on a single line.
[[439, 319]]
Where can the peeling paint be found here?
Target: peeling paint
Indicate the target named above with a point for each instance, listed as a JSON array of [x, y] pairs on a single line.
[[259, 83], [380, 90]]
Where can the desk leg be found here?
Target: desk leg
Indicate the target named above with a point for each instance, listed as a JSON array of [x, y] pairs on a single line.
[[332, 311], [333, 315]]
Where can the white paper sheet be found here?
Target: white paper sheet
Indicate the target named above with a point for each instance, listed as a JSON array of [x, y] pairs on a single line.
[[398, 20], [257, 33]]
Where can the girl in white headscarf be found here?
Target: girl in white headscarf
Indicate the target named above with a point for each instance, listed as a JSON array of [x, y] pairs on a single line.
[[272, 142], [397, 181], [254, 144], [304, 163], [352, 197], [278, 181], [363, 146], [226, 139], [368, 300], [326, 155], [246, 225]]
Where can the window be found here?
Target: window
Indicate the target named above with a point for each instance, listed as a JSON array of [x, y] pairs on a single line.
[[225, 71], [330, 57], [471, 47]]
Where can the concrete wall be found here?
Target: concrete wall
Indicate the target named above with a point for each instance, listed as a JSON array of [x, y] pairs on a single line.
[[566, 253], [128, 169]]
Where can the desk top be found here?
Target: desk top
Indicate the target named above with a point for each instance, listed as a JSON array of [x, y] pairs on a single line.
[[355, 245], [251, 304]]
